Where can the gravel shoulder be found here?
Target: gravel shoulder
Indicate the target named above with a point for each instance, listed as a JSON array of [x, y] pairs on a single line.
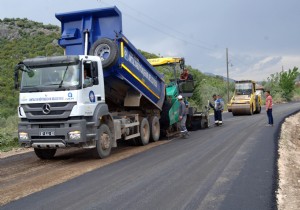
[[289, 164], [22, 173]]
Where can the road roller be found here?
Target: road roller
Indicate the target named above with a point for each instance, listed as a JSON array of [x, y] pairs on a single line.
[[245, 100]]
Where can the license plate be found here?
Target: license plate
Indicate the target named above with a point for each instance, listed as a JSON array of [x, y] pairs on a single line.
[[47, 133]]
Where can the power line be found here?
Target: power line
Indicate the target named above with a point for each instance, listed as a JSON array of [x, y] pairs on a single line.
[[159, 29]]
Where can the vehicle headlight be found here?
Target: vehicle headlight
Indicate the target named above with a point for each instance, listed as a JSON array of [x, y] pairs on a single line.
[[23, 136], [74, 135]]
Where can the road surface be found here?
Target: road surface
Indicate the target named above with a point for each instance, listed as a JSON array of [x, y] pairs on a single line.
[[228, 167]]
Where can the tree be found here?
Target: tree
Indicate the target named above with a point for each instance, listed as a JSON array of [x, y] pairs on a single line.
[[282, 84], [287, 82]]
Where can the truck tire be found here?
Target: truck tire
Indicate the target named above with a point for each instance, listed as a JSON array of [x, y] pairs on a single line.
[[107, 50], [45, 154], [145, 132], [164, 117], [104, 143], [154, 128]]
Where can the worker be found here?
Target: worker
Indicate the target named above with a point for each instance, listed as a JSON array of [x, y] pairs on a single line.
[[184, 75], [182, 116], [269, 105], [219, 106], [212, 105], [87, 80]]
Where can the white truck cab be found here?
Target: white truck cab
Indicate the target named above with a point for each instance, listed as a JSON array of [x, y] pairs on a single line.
[[59, 98]]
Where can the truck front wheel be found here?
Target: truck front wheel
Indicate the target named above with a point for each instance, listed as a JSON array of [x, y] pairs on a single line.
[[104, 143], [45, 153]]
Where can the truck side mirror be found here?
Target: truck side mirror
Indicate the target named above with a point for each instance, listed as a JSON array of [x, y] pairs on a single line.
[[16, 79]]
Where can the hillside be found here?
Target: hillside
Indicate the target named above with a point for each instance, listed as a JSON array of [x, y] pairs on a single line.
[[12, 29], [20, 39]]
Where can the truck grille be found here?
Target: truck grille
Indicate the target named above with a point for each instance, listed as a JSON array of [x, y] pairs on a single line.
[[48, 110]]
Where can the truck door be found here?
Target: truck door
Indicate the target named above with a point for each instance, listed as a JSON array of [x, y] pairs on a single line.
[[93, 88]]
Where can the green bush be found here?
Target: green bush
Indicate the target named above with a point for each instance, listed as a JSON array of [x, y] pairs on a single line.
[[9, 133], [282, 85]]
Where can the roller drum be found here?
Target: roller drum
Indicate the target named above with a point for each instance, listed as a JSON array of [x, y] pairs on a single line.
[[241, 109]]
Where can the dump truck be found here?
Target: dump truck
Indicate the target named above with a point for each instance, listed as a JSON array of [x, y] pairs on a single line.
[[185, 87], [100, 91], [245, 101]]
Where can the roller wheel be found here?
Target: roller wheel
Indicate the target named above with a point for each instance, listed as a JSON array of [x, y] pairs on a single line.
[[259, 110], [145, 132], [251, 110], [104, 143], [154, 128], [107, 50], [45, 154]]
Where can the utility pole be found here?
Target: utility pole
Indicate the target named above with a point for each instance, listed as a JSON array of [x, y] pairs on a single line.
[[227, 74]]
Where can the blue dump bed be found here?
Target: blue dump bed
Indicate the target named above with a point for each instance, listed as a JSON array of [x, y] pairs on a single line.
[[128, 72]]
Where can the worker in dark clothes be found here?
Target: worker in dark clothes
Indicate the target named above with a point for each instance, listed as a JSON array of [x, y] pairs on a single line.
[[212, 105]]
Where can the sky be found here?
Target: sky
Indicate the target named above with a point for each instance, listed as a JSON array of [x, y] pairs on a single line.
[[262, 36]]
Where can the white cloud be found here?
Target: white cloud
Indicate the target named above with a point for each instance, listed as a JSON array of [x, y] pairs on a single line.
[[267, 62], [262, 69]]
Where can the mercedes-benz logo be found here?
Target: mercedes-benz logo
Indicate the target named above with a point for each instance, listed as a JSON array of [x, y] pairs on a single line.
[[46, 108]]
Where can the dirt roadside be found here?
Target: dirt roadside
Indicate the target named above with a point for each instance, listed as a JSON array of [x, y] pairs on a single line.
[[288, 194], [22, 173]]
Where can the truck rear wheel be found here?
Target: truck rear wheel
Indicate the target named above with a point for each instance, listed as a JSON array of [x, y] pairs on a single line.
[[104, 143], [45, 153], [107, 50], [145, 132], [154, 128]]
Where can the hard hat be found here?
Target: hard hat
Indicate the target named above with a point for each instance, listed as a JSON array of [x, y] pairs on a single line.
[[179, 97]]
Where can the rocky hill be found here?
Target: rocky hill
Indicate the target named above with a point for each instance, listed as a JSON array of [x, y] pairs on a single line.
[[11, 28]]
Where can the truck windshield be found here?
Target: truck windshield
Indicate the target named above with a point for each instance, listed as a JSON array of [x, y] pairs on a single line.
[[243, 89], [62, 77]]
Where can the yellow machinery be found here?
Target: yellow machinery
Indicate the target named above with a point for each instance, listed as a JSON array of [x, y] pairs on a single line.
[[195, 119], [245, 99], [166, 61]]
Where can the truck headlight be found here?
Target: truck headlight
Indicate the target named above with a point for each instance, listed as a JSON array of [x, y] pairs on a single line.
[[23, 136], [74, 135]]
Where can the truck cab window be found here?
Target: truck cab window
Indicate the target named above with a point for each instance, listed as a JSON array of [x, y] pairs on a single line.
[[87, 76]]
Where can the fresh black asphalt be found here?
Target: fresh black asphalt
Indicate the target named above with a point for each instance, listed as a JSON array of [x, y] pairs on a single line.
[[228, 167]]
